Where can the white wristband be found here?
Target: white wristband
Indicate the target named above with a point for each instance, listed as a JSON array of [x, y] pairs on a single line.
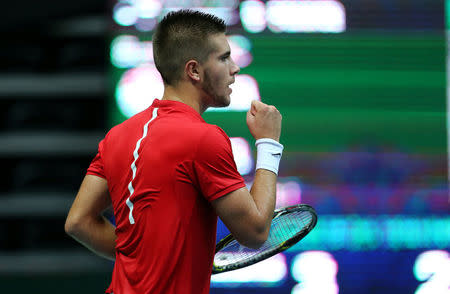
[[269, 154]]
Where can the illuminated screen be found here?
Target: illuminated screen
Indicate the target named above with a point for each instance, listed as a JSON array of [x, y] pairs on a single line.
[[361, 86]]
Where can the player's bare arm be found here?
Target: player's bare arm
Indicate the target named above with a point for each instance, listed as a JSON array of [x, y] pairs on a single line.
[[85, 221], [248, 214]]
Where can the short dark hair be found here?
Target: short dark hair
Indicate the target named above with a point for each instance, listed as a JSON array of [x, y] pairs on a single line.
[[181, 36]]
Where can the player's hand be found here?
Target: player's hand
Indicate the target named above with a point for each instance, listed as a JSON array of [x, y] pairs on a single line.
[[264, 121]]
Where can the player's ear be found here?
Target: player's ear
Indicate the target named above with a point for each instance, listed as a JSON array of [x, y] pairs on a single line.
[[193, 70]]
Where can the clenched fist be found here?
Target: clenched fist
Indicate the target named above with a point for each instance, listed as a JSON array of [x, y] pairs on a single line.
[[264, 121]]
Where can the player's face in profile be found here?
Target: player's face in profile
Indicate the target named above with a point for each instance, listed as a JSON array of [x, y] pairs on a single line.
[[219, 72]]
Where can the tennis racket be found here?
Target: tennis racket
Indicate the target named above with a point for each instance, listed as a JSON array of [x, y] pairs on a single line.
[[289, 225]]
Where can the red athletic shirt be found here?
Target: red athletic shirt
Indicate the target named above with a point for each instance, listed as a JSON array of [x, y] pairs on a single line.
[[167, 164]]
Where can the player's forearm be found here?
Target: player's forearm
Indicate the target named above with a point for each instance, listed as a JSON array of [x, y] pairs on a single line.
[[98, 235], [263, 192]]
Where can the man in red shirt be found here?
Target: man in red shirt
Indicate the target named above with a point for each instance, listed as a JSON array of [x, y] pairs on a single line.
[[168, 174]]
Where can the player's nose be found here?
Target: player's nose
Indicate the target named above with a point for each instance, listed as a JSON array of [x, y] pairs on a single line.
[[235, 69]]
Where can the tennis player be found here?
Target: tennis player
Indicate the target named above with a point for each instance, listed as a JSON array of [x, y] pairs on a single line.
[[168, 174]]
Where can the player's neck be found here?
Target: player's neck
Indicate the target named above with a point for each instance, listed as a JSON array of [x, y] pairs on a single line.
[[186, 95]]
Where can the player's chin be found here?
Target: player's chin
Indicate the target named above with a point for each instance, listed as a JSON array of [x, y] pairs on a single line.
[[226, 101], [222, 101]]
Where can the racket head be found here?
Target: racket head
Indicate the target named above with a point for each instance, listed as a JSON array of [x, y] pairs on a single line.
[[293, 222]]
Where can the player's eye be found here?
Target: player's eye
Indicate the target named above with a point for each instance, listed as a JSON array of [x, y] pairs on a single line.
[[224, 57]]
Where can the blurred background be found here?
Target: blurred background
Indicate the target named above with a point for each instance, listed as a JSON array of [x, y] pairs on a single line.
[[362, 87]]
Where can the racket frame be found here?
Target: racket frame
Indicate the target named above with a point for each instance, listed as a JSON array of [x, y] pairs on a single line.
[[269, 253]]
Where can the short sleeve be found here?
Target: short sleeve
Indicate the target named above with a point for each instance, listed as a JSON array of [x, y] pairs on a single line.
[[96, 167], [214, 166]]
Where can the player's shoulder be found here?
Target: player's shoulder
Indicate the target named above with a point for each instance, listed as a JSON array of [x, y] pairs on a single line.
[[115, 131], [199, 133], [200, 130], [214, 131], [212, 144], [214, 137], [127, 125]]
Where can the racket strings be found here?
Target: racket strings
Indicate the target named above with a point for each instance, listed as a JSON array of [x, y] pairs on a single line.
[[282, 229]]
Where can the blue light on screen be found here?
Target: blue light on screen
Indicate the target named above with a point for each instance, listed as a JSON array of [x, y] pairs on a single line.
[[369, 233]]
